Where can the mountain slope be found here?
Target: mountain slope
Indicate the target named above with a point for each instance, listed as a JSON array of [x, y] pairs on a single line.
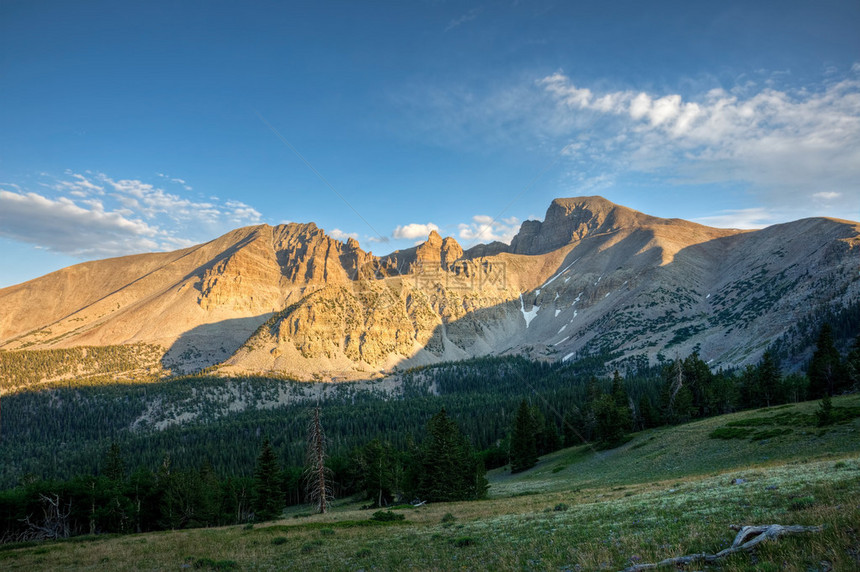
[[592, 277]]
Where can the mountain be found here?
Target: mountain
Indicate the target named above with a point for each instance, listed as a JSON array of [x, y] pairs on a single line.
[[593, 277]]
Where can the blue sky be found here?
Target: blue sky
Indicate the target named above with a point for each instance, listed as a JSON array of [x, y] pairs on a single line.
[[135, 126]]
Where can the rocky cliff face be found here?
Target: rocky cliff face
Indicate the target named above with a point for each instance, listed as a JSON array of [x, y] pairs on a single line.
[[434, 253], [593, 276]]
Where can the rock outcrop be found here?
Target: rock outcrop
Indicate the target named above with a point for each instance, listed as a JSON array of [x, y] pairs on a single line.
[[433, 254]]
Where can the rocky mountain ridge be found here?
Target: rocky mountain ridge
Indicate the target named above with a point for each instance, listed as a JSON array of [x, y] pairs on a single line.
[[592, 277]]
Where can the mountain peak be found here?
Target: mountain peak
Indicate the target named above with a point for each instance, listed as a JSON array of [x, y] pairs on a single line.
[[432, 253], [568, 220]]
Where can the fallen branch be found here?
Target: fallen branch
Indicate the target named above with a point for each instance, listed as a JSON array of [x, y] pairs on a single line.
[[747, 538]]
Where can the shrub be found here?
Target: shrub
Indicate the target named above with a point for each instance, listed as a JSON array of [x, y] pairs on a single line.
[[730, 433], [464, 541], [309, 547], [824, 413], [387, 516]]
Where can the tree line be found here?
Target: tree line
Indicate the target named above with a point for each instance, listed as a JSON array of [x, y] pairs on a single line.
[[484, 413], [442, 467]]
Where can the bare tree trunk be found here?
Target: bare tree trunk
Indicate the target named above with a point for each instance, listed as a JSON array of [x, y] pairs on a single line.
[[317, 475]]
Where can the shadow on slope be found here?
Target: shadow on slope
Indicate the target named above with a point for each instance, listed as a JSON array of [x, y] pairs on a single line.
[[209, 344]]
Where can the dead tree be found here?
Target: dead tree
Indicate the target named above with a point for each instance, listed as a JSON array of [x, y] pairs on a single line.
[[317, 475], [747, 538], [54, 523]]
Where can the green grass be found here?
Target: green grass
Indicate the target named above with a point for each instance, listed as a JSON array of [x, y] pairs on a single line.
[[666, 493], [681, 451]]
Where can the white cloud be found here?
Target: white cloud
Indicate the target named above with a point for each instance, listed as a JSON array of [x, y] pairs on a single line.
[[93, 216], [414, 230], [338, 234], [783, 144], [827, 195], [79, 186], [485, 228], [62, 226], [176, 180], [239, 212], [150, 202], [751, 218]]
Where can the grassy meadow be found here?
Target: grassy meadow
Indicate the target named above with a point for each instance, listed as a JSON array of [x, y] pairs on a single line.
[[667, 492]]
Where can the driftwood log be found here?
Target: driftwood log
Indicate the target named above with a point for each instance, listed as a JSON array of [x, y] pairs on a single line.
[[748, 537]]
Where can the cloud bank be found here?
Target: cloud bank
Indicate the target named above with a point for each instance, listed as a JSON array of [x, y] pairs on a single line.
[[92, 215], [793, 149], [788, 146], [485, 228]]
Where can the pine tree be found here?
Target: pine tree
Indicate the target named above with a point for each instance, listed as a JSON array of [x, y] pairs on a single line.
[[647, 413], [549, 436], [377, 472], [617, 391], [114, 464], [824, 368], [795, 387], [116, 504], [748, 387], [569, 429], [142, 494], [622, 402], [267, 500], [676, 399], [448, 468], [852, 365], [210, 496], [612, 421], [524, 453], [769, 380], [317, 474], [592, 390], [699, 381]]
